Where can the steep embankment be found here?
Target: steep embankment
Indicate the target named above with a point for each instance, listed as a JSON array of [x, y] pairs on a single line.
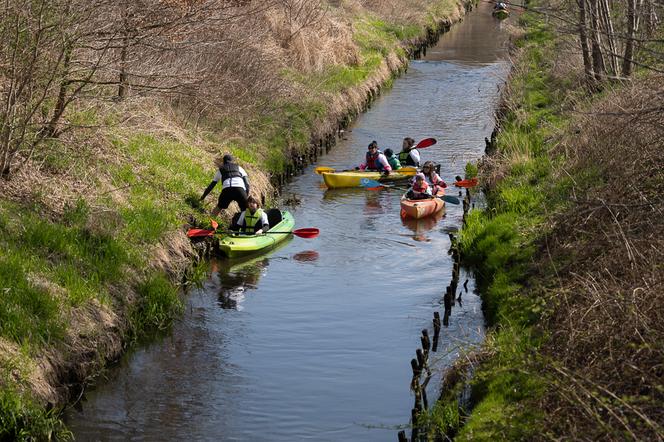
[[92, 247], [569, 255]]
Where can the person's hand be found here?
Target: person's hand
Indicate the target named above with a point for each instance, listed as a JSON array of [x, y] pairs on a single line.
[[260, 232], [386, 173], [357, 168]]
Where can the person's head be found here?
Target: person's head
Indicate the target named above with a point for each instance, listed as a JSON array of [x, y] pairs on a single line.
[[373, 147], [253, 204], [428, 167], [388, 152], [408, 143], [419, 178], [228, 158]]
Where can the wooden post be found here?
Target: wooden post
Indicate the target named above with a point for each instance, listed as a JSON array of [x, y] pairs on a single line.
[[420, 358], [426, 343], [402, 436], [416, 368], [436, 323]]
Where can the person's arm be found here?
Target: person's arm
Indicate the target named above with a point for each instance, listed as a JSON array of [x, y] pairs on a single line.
[[440, 182], [386, 164], [415, 155], [208, 189], [245, 178], [237, 221], [265, 225], [215, 180]]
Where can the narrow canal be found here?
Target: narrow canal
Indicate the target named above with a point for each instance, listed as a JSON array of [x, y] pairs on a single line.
[[313, 341]]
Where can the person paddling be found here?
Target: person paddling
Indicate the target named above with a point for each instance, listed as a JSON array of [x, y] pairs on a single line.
[[409, 156], [253, 220], [392, 159], [234, 182], [420, 189], [375, 160], [432, 178]]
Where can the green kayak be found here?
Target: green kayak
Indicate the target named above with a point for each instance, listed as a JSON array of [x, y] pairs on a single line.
[[236, 245]]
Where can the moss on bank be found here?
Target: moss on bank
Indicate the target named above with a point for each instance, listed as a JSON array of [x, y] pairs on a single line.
[[92, 248]]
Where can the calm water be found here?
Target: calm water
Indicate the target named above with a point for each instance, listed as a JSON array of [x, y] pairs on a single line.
[[313, 341]]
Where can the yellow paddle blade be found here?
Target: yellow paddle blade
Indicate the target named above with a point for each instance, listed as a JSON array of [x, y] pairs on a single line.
[[410, 171], [322, 169]]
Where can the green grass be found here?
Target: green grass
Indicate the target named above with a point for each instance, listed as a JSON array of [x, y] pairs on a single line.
[[21, 419], [501, 244]]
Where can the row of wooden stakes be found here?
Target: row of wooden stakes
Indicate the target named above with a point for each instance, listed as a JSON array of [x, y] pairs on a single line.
[[420, 364]]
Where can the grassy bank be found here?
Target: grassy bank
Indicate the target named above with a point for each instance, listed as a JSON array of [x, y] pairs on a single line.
[[92, 244], [561, 359]]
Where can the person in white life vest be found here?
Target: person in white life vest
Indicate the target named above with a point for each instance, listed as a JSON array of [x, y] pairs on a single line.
[[253, 220], [420, 189], [234, 183], [409, 156], [432, 178], [375, 160]]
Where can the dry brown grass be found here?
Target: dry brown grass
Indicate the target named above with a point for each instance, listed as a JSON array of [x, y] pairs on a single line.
[[311, 42], [607, 346]]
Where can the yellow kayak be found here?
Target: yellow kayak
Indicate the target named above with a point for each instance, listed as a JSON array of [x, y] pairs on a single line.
[[353, 178]]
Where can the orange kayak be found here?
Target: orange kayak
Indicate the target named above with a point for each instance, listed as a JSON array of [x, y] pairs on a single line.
[[420, 208]]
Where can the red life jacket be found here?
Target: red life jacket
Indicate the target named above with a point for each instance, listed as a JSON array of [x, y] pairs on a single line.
[[372, 161], [436, 180], [422, 189]]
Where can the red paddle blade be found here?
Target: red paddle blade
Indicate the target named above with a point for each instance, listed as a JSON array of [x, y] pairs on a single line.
[[310, 232], [425, 143], [194, 233], [214, 224], [467, 183]]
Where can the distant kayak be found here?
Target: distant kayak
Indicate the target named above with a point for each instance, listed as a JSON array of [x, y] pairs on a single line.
[[236, 244], [353, 178], [422, 208]]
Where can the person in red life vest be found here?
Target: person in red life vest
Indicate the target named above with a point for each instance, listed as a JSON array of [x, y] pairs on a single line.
[[234, 183], [253, 220], [375, 160], [432, 178], [420, 189]]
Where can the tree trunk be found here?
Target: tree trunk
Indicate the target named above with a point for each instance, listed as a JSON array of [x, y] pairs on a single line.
[[598, 58], [583, 37], [605, 11], [629, 44], [123, 86]]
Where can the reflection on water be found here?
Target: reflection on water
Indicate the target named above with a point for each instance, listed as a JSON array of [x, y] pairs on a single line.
[[306, 256], [236, 281], [421, 226], [239, 275], [478, 42]]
